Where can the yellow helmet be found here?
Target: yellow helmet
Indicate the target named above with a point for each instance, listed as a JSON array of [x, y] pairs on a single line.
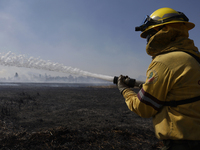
[[161, 17]]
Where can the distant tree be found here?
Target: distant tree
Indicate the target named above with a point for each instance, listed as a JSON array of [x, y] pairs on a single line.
[[16, 75]]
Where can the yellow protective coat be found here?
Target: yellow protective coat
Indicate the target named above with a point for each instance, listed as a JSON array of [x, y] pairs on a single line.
[[171, 76]]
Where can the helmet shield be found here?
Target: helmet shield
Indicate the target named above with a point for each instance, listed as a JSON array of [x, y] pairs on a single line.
[[145, 23]]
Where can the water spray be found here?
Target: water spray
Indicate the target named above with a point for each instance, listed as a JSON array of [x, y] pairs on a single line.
[[11, 59]]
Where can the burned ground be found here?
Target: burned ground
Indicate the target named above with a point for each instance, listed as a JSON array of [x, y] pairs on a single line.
[[68, 118]]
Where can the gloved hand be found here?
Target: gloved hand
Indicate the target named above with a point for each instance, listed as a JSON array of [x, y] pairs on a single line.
[[121, 83]]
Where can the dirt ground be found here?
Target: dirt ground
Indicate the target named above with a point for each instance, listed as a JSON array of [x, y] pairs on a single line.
[[71, 118]]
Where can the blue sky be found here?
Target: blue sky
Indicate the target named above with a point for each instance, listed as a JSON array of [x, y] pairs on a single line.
[[93, 35]]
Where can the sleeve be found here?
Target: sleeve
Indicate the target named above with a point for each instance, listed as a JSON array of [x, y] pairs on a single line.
[[149, 100]]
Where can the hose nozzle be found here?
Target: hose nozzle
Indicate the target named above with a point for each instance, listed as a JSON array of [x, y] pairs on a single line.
[[130, 82]]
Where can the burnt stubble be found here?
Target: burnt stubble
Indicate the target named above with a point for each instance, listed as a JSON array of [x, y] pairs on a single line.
[[69, 118]]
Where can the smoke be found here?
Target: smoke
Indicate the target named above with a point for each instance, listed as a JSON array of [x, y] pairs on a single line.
[[11, 59]]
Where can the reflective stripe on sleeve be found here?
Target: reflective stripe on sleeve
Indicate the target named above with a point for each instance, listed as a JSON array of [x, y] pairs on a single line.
[[149, 99]]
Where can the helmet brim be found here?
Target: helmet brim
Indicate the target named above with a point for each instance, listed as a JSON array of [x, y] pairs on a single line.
[[189, 25]]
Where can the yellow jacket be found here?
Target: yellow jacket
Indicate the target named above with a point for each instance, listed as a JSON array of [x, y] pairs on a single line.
[[173, 75], [170, 76]]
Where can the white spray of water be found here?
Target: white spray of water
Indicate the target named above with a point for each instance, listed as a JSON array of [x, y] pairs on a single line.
[[11, 59]]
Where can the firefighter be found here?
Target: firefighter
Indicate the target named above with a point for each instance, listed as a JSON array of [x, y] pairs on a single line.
[[171, 92]]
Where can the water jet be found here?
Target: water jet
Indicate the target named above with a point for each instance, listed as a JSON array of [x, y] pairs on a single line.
[[11, 59]]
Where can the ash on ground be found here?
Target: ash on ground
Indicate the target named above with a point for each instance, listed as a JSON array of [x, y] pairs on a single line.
[[66, 118]]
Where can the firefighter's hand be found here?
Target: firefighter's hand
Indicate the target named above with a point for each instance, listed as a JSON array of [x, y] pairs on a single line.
[[121, 83]]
